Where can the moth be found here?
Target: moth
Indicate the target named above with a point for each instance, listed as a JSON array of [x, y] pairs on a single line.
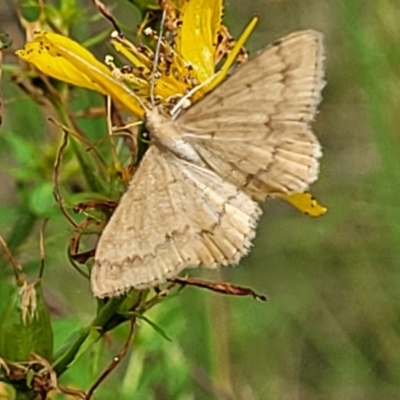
[[195, 198]]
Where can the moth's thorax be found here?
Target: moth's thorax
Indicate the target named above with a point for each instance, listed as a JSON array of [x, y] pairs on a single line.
[[166, 134]]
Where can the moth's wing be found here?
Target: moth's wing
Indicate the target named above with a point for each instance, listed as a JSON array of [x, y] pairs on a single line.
[[253, 129], [174, 215]]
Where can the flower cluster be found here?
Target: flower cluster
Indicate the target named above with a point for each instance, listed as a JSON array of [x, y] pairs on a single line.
[[194, 45]]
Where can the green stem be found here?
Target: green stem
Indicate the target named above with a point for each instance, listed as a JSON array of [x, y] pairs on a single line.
[[108, 317]]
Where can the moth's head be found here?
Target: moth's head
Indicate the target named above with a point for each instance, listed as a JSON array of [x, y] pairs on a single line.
[[155, 118]]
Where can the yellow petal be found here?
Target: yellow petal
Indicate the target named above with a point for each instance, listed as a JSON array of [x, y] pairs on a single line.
[[62, 58], [306, 203], [55, 66], [197, 37], [132, 54]]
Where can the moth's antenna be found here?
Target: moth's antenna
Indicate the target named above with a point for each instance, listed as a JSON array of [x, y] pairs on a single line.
[[156, 57], [178, 106]]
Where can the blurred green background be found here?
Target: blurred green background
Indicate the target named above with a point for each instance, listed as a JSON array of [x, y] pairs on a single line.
[[330, 328]]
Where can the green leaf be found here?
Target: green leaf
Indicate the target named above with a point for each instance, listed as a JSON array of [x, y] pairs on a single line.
[[146, 5], [70, 351], [91, 339], [63, 328], [30, 9], [41, 199], [24, 153], [94, 40], [158, 329]]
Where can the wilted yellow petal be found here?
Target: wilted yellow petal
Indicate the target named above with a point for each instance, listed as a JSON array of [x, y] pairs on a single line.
[[306, 203], [233, 54], [197, 37], [62, 58]]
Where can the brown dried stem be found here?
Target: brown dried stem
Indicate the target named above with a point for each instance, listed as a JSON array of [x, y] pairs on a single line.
[[56, 171], [17, 268], [116, 360], [220, 287]]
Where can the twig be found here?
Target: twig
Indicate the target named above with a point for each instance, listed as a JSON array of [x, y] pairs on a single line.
[[17, 268], [78, 134], [80, 394], [74, 243], [107, 14], [103, 205], [41, 247], [220, 287], [116, 360], [56, 189], [159, 294]]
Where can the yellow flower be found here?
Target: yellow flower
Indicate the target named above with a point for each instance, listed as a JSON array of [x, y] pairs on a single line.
[[188, 63], [183, 66]]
